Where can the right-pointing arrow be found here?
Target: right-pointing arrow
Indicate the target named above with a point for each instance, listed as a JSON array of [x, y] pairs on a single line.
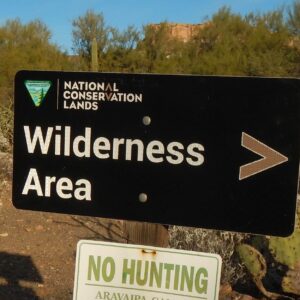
[[270, 157]]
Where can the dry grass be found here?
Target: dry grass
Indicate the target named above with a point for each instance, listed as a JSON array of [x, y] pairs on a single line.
[[212, 241], [6, 126]]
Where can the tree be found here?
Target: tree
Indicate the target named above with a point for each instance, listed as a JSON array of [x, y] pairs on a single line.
[[26, 46], [218, 48], [126, 40], [121, 55], [161, 52], [255, 45], [294, 27], [85, 29], [294, 18]]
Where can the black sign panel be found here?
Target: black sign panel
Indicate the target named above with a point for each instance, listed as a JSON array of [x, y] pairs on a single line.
[[212, 152]]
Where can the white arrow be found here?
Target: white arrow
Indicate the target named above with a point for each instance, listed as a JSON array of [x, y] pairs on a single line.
[[270, 157]]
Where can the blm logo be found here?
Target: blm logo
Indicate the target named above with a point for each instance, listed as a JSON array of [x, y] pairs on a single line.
[[38, 90]]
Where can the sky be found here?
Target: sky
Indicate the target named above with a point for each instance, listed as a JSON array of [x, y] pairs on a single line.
[[59, 14]]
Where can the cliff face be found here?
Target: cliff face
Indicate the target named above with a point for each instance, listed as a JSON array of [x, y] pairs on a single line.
[[182, 32]]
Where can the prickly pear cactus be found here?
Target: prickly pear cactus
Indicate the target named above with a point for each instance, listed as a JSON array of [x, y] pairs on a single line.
[[282, 251], [256, 265], [287, 252], [253, 260]]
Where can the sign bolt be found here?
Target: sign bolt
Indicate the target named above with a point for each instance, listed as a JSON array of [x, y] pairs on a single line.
[[143, 197], [146, 120]]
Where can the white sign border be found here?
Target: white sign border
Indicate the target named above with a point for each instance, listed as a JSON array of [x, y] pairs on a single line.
[[147, 249]]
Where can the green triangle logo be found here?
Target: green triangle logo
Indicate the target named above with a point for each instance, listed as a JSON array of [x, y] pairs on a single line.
[[38, 90]]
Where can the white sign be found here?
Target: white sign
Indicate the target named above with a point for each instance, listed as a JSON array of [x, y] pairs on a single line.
[[111, 271]]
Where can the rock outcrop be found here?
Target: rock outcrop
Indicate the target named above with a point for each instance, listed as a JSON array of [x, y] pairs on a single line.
[[180, 31]]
